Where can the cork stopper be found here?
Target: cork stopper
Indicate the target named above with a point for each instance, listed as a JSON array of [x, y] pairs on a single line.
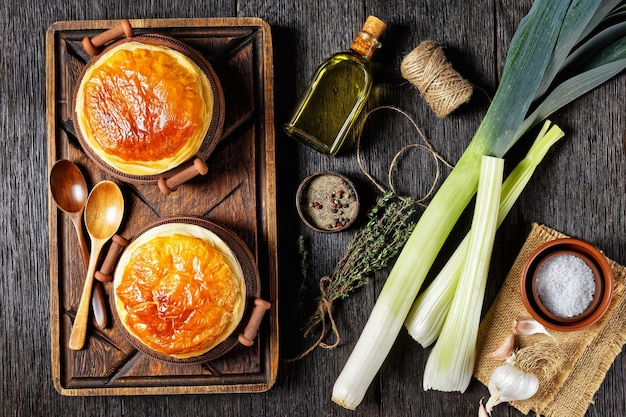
[[366, 41]]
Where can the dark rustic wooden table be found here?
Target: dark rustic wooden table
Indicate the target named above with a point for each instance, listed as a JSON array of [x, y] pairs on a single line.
[[579, 190]]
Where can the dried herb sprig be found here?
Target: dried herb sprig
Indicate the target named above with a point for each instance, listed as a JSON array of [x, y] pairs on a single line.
[[303, 251], [371, 249]]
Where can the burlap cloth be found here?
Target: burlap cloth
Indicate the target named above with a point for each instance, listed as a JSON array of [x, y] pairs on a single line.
[[586, 354]]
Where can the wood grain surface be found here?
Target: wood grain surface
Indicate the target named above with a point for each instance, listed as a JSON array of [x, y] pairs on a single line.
[[579, 190]]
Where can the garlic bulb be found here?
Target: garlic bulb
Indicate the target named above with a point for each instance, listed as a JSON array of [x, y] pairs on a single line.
[[509, 383]]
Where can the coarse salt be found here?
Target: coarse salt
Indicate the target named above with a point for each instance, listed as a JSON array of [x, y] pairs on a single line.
[[565, 285]]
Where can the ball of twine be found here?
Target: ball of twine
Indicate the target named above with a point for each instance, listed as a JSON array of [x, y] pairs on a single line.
[[443, 88]]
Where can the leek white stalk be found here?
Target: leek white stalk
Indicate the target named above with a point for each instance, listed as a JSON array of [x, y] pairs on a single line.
[[404, 282], [451, 362], [429, 311]]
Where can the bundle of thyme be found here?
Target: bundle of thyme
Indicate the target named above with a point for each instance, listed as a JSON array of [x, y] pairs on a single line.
[[378, 242]]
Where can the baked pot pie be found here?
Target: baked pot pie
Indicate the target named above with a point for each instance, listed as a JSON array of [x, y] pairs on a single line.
[[179, 290], [144, 108]]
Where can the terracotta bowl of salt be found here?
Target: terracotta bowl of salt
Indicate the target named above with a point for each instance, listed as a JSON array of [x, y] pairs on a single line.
[[566, 284]]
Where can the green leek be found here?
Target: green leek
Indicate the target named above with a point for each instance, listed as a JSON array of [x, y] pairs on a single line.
[[521, 79], [430, 310], [451, 362]]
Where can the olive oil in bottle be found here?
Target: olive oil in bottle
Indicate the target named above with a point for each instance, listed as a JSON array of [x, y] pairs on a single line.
[[336, 93]]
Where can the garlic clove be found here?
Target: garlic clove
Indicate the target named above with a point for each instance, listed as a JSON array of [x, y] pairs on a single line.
[[504, 350], [509, 383], [527, 326], [482, 411]]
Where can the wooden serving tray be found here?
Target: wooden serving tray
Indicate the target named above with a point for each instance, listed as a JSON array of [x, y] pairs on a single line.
[[238, 192]]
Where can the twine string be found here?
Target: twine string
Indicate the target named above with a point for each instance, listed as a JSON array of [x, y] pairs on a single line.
[[394, 162], [443, 88], [325, 310]]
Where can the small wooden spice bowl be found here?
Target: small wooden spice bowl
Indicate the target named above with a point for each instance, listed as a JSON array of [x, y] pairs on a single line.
[[327, 202], [592, 258]]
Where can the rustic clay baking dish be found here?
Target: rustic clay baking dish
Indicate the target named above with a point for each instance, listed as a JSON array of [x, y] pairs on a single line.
[[254, 308], [177, 175], [603, 277]]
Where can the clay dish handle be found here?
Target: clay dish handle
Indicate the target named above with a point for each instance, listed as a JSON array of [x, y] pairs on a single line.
[[92, 46], [105, 274], [167, 185], [246, 338]]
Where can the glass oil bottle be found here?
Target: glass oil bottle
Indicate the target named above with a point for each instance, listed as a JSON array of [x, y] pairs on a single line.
[[336, 93]]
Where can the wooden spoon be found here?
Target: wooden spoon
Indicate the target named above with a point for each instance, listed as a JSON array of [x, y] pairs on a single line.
[[103, 216], [69, 192]]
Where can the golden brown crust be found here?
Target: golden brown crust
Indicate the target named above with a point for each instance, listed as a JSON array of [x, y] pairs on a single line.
[[179, 290], [144, 109]]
